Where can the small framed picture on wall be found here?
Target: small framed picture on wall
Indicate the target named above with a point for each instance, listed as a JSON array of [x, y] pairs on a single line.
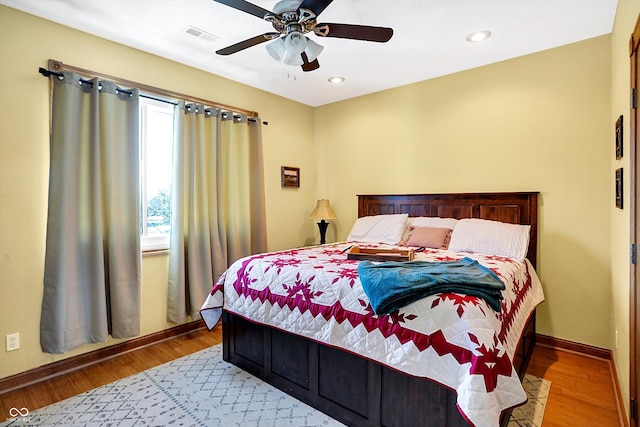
[[619, 132], [619, 189], [289, 176]]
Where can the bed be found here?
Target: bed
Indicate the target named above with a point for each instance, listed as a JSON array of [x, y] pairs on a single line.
[[378, 376]]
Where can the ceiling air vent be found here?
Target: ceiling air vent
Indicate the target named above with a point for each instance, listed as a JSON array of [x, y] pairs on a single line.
[[201, 34]]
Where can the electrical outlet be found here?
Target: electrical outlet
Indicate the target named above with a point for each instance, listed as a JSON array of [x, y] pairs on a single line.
[[13, 341]]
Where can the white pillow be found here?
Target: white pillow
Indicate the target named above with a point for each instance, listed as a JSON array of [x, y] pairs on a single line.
[[490, 238], [432, 221], [379, 229]]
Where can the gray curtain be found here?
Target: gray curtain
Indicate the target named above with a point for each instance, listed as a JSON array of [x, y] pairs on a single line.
[[218, 208], [92, 260]]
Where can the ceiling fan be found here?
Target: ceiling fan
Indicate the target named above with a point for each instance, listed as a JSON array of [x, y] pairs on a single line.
[[292, 19]]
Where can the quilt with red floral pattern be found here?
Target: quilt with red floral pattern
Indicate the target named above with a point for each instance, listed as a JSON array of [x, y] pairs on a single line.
[[454, 339]]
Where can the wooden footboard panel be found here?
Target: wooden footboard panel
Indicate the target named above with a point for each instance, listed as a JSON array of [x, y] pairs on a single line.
[[524, 351], [349, 388]]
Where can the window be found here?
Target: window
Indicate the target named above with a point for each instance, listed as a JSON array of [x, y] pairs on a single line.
[[156, 147]]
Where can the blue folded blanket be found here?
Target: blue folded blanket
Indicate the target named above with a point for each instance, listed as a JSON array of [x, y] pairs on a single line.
[[392, 285]]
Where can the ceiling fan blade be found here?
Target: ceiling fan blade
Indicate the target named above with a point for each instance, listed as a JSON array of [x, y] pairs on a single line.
[[245, 6], [316, 6], [309, 66], [356, 32], [247, 43]]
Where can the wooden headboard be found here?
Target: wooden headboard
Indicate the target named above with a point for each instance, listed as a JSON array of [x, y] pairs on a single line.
[[515, 208]]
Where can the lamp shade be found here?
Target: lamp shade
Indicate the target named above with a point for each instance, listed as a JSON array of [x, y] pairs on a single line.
[[276, 49], [295, 43], [290, 58], [323, 210], [312, 50]]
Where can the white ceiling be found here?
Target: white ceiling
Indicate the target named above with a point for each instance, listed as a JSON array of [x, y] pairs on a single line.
[[428, 41]]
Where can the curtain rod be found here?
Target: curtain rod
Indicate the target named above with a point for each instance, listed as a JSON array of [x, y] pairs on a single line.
[[55, 67], [48, 73]]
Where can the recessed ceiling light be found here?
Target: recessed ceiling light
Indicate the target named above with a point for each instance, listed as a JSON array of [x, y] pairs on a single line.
[[478, 36], [336, 79]]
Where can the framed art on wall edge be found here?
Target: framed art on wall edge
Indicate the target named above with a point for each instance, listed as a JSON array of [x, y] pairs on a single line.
[[619, 188], [619, 132]]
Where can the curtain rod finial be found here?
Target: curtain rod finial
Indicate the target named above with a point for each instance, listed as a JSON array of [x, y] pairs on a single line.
[[48, 73]]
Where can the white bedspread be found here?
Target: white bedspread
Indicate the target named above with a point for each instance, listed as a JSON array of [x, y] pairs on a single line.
[[454, 339]]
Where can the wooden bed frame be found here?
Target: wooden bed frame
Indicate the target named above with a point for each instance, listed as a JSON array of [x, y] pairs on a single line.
[[357, 391]]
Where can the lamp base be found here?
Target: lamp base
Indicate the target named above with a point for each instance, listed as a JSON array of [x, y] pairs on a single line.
[[322, 225]]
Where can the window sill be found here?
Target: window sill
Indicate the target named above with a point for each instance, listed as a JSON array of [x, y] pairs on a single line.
[[154, 245], [154, 252]]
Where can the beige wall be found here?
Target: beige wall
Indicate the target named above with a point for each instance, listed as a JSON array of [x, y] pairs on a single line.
[[542, 122], [26, 44], [536, 123]]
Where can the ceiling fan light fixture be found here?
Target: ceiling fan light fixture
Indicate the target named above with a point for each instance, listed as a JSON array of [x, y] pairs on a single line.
[[478, 36], [276, 49], [312, 50], [295, 43], [291, 59], [289, 49]]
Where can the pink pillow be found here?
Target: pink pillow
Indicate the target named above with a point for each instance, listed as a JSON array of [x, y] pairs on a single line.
[[430, 237]]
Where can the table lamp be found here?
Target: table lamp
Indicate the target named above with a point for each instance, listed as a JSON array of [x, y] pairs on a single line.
[[323, 211]]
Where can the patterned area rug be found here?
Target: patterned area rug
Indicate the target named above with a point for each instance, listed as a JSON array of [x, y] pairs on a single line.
[[203, 390], [530, 415]]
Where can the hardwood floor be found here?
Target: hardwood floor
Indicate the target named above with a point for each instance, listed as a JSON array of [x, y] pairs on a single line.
[[581, 392], [47, 392]]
